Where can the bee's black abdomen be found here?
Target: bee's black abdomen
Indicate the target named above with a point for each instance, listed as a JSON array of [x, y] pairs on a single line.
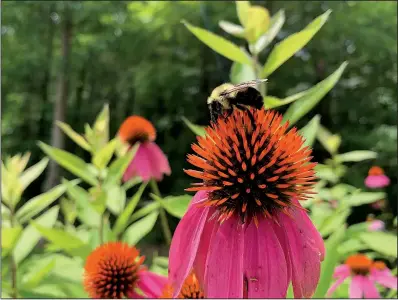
[[250, 97]]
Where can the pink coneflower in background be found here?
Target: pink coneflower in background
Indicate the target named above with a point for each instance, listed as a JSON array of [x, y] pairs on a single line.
[[375, 225], [364, 274], [376, 178], [245, 233], [114, 270], [149, 161], [379, 204]]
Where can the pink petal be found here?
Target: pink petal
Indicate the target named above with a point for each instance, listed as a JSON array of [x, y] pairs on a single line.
[[140, 165], [336, 284], [224, 272], [159, 163], [305, 251], [385, 278], [185, 243], [369, 289], [376, 225], [377, 181], [356, 287], [265, 265], [151, 284], [342, 270]]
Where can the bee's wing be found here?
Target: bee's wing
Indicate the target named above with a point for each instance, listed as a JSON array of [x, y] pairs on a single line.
[[243, 85]]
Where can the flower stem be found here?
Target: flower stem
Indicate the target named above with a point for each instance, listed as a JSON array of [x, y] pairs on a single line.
[[101, 230], [162, 213], [14, 292]]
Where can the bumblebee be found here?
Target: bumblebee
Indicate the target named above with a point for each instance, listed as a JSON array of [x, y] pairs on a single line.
[[227, 96]]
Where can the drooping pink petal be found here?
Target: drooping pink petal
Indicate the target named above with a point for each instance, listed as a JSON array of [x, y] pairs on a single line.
[[376, 225], [159, 163], [338, 282], [224, 272], [356, 287], [151, 284], [377, 181], [140, 165], [305, 251], [185, 243], [265, 265], [341, 271], [209, 231], [385, 278], [369, 288]]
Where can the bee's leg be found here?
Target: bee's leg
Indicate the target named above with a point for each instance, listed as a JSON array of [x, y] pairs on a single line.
[[249, 113]]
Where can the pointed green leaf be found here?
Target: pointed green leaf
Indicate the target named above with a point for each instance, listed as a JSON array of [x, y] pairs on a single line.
[[32, 173], [9, 237], [39, 275], [73, 135], [30, 236], [135, 232], [276, 24], [357, 199], [197, 129], [333, 222], [122, 220], [142, 212], [358, 155], [309, 131], [381, 242], [174, 205], [332, 258], [331, 142], [102, 157], [72, 163], [231, 28], [272, 102], [219, 44], [292, 44], [257, 23], [308, 101], [116, 199], [241, 73], [242, 8], [119, 166]]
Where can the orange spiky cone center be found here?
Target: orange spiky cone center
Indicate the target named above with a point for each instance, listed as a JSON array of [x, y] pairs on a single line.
[[375, 170], [137, 129], [379, 265], [190, 289], [252, 169], [359, 264], [111, 270]]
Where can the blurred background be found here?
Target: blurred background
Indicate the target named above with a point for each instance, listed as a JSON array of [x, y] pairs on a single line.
[[63, 60]]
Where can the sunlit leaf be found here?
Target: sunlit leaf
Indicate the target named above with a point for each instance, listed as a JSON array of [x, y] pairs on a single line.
[[102, 157], [73, 135], [147, 209], [122, 220], [326, 172], [240, 73], [231, 28], [38, 276], [198, 130], [358, 155], [71, 162], [32, 173], [362, 198], [116, 199], [333, 222], [273, 102], [309, 131], [331, 142], [9, 237], [242, 8], [119, 166], [258, 20], [293, 43], [219, 44], [381, 242], [135, 232], [174, 205], [312, 96]]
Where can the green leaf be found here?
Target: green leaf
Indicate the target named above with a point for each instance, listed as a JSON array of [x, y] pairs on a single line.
[[242, 8], [30, 236], [38, 276], [258, 20], [102, 157], [198, 130], [72, 163], [9, 237], [290, 294], [46, 291], [241, 73], [135, 232], [32, 173], [73, 135], [333, 222], [358, 155], [309, 131], [116, 199], [122, 220], [326, 172], [119, 166], [100, 133], [276, 24], [231, 28], [85, 211], [273, 102], [380, 242], [35, 205], [331, 142], [312, 96], [292, 44], [219, 44], [331, 260], [68, 242], [131, 182], [351, 246], [357, 199], [147, 209], [175, 205]]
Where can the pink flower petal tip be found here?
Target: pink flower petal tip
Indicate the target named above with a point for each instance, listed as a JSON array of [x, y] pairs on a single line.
[[377, 181]]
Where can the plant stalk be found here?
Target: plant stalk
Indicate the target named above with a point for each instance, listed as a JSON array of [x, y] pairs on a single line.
[[260, 87], [163, 218], [14, 287]]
